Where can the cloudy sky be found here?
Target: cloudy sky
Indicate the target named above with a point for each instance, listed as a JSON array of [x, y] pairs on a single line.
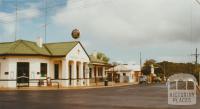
[[159, 29]]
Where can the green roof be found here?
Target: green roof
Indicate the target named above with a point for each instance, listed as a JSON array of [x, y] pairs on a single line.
[[23, 47], [62, 48]]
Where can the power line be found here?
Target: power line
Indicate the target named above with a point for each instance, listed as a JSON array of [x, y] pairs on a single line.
[[53, 6], [50, 7], [46, 7]]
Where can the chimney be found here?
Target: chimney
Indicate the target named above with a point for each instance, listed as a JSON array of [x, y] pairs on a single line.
[[39, 41]]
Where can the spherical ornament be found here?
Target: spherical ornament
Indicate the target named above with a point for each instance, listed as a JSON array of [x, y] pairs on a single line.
[[75, 34]]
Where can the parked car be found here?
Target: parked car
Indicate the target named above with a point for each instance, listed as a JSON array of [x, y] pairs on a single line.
[[143, 79], [157, 80]]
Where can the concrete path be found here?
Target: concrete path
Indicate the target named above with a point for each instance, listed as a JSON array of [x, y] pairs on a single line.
[[99, 85]]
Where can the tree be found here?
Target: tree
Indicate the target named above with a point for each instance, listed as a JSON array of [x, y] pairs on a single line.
[[146, 69], [173, 68], [102, 56], [115, 63], [167, 69]]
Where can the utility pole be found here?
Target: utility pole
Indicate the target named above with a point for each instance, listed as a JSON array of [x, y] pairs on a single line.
[[140, 61], [16, 18], [45, 22], [196, 59], [140, 66], [196, 62]]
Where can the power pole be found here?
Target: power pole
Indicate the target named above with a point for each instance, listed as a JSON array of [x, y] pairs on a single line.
[[196, 59], [16, 18], [45, 22], [140, 61], [196, 62], [140, 65]]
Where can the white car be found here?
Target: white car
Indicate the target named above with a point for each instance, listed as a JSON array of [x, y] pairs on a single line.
[[143, 79]]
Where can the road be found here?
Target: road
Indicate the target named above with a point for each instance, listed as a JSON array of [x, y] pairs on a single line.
[[125, 97]]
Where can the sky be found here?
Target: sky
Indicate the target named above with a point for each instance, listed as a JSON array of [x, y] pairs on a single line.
[[159, 29]]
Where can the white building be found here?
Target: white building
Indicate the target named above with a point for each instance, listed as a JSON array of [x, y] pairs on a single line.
[[126, 73], [25, 63]]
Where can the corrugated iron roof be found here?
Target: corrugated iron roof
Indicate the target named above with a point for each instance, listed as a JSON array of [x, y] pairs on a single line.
[[23, 47]]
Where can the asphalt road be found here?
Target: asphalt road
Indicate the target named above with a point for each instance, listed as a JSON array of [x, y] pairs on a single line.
[[126, 97]]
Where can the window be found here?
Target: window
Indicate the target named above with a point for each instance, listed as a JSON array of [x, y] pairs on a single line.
[[100, 71], [190, 85], [43, 69], [56, 71], [173, 85], [181, 85]]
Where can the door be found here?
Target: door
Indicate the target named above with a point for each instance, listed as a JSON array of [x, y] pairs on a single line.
[[22, 74], [56, 71], [70, 74], [43, 69]]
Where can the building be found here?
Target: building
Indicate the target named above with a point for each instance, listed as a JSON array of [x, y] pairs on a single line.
[[98, 69], [126, 73], [27, 63]]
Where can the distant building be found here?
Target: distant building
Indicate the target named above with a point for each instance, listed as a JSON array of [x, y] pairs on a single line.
[[26, 63], [125, 73]]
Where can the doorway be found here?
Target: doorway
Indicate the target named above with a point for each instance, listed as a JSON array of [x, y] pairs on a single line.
[[22, 74], [70, 74], [56, 71]]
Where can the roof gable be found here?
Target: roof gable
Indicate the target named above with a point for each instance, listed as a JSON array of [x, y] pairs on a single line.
[[78, 52]]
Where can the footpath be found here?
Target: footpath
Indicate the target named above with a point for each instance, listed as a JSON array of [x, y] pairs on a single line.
[[92, 85]]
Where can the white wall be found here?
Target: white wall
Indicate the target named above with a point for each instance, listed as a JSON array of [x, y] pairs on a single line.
[[34, 63], [10, 65], [4, 68], [130, 76], [77, 54]]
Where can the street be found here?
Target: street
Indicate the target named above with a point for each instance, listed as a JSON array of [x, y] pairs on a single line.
[[125, 97]]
